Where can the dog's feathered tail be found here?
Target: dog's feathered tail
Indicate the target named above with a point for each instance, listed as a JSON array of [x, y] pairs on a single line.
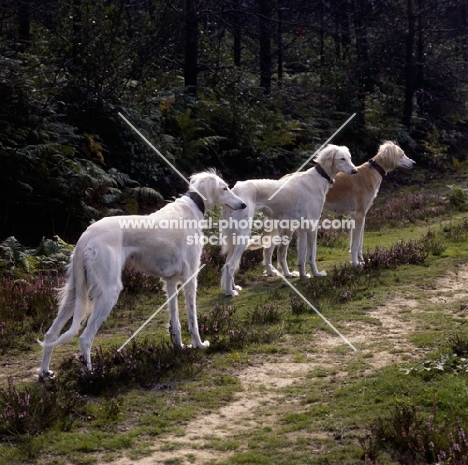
[[81, 287]]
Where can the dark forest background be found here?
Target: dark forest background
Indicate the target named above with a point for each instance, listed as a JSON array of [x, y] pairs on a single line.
[[251, 87]]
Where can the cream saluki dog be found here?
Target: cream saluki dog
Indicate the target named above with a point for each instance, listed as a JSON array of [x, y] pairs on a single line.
[[351, 196], [301, 198], [94, 275]]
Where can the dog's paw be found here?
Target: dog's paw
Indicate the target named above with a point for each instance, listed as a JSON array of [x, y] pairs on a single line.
[[271, 273], [291, 274], [305, 276], [45, 376], [320, 274], [233, 293], [357, 264], [238, 288], [197, 345]]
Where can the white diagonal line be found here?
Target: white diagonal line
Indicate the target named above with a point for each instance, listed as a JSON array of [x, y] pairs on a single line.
[[315, 310], [315, 153], [160, 154], [159, 309]]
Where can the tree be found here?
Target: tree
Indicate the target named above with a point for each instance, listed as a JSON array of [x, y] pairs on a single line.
[[191, 45], [265, 35], [410, 65], [24, 22]]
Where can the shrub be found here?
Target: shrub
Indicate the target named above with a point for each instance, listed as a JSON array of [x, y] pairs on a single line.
[[413, 438], [265, 314], [345, 281], [456, 232], [459, 345], [135, 282], [298, 306], [36, 408], [458, 198], [210, 275], [225, 330], [26, 305], [402, 253], [331, 237], [51, 255], [137, 364], [405, 210]]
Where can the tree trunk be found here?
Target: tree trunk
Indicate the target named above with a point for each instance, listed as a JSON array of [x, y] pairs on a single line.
[[362, 53], [77, 40], [24, 22], [280, 47], [191, 46], [322, 42], [265, 45], [237, 33], [362, 48], [410, 68]]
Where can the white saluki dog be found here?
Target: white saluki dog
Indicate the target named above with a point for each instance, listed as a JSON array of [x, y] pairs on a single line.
[[151, 246], [351, 196], [301, 198]]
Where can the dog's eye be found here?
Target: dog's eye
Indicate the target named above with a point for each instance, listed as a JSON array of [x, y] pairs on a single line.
[[225, 188]]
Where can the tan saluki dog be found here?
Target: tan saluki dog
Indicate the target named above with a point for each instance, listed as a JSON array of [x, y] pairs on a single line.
[[351, 196]]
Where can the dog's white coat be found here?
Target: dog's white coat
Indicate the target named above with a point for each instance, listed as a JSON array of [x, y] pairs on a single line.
[[351, 196], [94, 275], [301, 197]]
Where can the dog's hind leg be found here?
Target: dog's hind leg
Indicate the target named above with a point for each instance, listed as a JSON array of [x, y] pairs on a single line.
[[230, 267], [268, 260], [103, 303], [283, 254], [65, 312]]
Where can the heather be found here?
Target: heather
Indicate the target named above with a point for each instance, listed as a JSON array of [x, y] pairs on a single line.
[[404, 210], [422, 434], [411, 412]]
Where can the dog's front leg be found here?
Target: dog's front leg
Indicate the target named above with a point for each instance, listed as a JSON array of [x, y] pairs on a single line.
[[283, 253], [302, 253], [190, 302], [175, 328], [268, 259], [357, 235], [312, 253]]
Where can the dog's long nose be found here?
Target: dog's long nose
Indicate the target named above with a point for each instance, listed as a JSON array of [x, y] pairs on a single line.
[[354, 171], [243, 205]]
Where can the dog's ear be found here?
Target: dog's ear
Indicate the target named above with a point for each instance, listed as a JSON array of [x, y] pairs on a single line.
[[389, 152], [209, 188], [323, 155]]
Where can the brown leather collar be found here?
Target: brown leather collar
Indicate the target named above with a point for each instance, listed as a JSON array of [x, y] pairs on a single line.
[[377, 167], [197, 199], [322, 173]]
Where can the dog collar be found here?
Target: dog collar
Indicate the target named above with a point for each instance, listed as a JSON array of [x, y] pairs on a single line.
[[322, 173], [197, 199], [377, 167]]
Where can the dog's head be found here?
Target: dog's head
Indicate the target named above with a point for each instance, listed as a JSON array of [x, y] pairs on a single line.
[[215, 191], [391, 156], [335, 158]]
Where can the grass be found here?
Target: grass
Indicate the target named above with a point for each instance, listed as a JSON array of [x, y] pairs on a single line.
[[313, 399]]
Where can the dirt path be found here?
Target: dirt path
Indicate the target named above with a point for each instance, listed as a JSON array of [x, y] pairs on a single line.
[[262, 381]]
